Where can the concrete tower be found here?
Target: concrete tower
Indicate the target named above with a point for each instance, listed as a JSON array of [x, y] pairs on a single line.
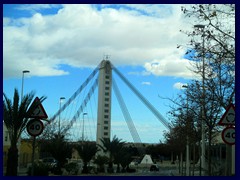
[[104, 101]]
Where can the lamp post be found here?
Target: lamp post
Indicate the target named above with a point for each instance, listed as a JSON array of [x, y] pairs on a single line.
[[19, 141], [187, 144], [23, 72], [60, 101], [83, 127], [201, 28]]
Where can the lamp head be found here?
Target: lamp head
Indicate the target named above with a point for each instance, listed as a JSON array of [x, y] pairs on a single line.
[[200, 26], [26, 71]]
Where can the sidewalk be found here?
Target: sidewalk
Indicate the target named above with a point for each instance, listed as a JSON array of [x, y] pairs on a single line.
[[21, 171]]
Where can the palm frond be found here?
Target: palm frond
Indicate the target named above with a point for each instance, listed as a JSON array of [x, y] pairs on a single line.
[[22, 119], [15, 104], [7, 110], [17, 116]]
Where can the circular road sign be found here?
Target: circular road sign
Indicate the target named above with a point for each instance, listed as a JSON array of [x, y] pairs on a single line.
[[35, 127], [228, 135]]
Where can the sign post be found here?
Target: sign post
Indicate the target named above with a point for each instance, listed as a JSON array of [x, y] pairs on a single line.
[[228, 118], [228, 136], [35, 126], [39, 111]]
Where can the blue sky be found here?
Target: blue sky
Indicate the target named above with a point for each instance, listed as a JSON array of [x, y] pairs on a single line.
[[61, 45]]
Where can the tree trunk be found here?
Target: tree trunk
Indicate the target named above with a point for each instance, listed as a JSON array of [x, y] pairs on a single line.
[[85, 168], [12, 161], [194, 158], [110, 167], [101, 168], [181, 163], [118, 168], [200, 159], [209, 152]]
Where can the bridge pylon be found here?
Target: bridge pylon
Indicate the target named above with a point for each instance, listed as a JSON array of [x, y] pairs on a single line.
[[104, 101]]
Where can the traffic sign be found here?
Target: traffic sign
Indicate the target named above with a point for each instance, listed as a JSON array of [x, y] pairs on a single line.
[[35, 127], [228, 117], [39, 111], [228, 135]]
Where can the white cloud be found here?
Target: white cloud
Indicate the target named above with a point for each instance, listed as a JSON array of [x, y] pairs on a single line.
[[146, 83], [179, 85], [78, 35], [171, 66], [6, 21]]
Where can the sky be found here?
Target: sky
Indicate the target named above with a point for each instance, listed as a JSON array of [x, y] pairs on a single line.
[[61, 45]]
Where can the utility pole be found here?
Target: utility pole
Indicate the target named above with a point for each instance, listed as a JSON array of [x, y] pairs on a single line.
[[187, 144], [59, 120], [19, 141], [201, 27], [23, 72], [83, 127]]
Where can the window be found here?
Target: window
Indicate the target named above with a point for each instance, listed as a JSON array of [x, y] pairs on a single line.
[[106, 99], [106, 93], [105, 116], [105, 133], [106, 82], [107, 77], [105, 127], [106, 105], [105, 122], [106, 110], [106, 88]]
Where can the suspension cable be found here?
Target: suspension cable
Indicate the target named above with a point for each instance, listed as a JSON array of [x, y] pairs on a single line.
[[83, 105], [126, 114], [75, 94], [143, 99]]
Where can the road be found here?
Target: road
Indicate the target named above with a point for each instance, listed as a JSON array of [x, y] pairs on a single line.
[[163, 172], [165, 169]]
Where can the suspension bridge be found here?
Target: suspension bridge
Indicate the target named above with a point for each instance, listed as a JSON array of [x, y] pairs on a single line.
[[102, 79]]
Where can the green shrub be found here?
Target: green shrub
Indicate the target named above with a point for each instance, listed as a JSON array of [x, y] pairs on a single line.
[[72, 168], [40, 169]]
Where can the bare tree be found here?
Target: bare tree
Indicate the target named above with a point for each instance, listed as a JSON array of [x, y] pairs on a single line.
[[211, 49]]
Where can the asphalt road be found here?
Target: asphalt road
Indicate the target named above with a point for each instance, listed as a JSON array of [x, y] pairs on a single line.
[[165, 169]]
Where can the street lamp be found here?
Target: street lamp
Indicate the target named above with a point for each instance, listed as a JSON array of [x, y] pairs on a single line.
[[60, 101], [23, 72], [201, 28], [187, 145], [83, 127]]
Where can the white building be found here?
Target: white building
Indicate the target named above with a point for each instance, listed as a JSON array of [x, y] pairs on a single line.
[[6, 139]]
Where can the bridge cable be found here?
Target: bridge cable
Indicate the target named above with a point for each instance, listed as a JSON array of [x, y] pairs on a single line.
[[143, 99], [126, 114], [91, 118], [75, 94], [83, 105]]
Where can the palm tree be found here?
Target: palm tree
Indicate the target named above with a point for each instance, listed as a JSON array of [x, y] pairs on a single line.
[[113, 148], [118, 159], [124, 157], [16, 117], [86, 151], [100, 161], [59, 149]]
